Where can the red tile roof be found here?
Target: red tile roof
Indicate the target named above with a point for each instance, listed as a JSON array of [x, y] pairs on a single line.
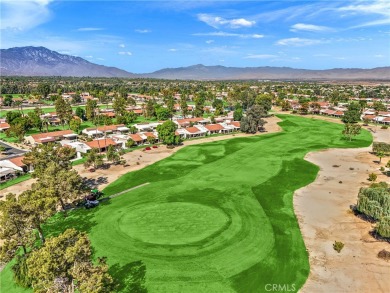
[[136, 137], [192, 129], [236, 123], [214, 127], [369, 117], [55, 134], [4, 125], [150, 134], [102, 143], [18, 161], [189, 120]]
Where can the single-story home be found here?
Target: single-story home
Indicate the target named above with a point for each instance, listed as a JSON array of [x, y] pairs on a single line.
[[106, 129], [80, 147], [102, 143], [51, 136], [16, 164]]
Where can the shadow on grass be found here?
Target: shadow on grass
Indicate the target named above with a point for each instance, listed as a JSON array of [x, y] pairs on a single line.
[[80, 219], [130, 277]]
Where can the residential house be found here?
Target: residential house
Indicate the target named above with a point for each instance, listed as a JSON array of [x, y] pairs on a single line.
[[102, 144], [16, 164], [51, 137]]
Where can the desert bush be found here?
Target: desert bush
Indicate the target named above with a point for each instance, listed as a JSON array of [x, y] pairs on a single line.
[[374, 202], [338, 246], [372, 177], [382, 169], [383, 227], [384, 254]]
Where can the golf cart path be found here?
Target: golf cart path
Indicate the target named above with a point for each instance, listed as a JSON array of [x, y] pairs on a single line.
[[127, 190]]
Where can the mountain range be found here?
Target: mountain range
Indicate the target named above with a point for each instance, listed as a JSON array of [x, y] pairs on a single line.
[[40, 61]]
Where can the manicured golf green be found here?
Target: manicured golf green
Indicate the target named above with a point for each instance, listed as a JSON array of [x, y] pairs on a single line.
[[216, 217]]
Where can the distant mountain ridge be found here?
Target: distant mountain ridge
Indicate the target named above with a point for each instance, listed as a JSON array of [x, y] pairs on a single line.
[[201, 72], [40, 61]]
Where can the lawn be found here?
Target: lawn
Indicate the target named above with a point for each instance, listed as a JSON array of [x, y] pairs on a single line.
[[15, 181], [216, 217]]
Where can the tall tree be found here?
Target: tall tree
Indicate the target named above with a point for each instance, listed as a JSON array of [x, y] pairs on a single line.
[[93, 158], [352, 115], [112, 154], [63, 184], [38, 206], [90, 109], [166, 132], [43, 89], [14, 230], [150, 109], [119, 105], [199, 106], [75, 124], [184, 106], [351, 130], [40, 157], [264, 100], [63, 110], [253, 119], [218, 105], [64, 264]]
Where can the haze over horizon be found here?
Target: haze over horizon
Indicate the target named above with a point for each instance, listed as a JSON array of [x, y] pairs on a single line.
[[145, 36]]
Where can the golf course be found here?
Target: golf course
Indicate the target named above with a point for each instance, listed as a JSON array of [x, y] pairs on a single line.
[[214, 217]]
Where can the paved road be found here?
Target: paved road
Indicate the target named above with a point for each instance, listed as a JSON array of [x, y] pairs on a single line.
[[11, 151]]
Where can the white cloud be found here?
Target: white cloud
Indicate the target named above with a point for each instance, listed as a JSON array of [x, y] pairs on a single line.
[[101, 59], [122, 45], [217, 22], [89, 57], [142, 31], [89, 29], [299, 42], [309, 28], [172, 50], [379, 56], [24, 15], [125, 53], [209, 41], [260, 56], [225, 34], [378, 7]]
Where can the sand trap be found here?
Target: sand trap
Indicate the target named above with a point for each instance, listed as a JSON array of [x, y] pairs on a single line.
[[323, 212]]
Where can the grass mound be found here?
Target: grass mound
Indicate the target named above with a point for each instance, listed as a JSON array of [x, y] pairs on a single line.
[[216, 217]]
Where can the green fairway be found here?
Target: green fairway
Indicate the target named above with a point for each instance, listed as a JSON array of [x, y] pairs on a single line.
[[216, 217]]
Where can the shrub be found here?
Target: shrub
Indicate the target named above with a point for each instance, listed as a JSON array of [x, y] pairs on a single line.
[[382, 169], [338, 246], [372, 177], [381, 147], [384, 127], [374, 202], [384, 254], [383, 227]]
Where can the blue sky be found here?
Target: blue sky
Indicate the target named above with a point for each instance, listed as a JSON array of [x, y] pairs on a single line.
[[144, 36]]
